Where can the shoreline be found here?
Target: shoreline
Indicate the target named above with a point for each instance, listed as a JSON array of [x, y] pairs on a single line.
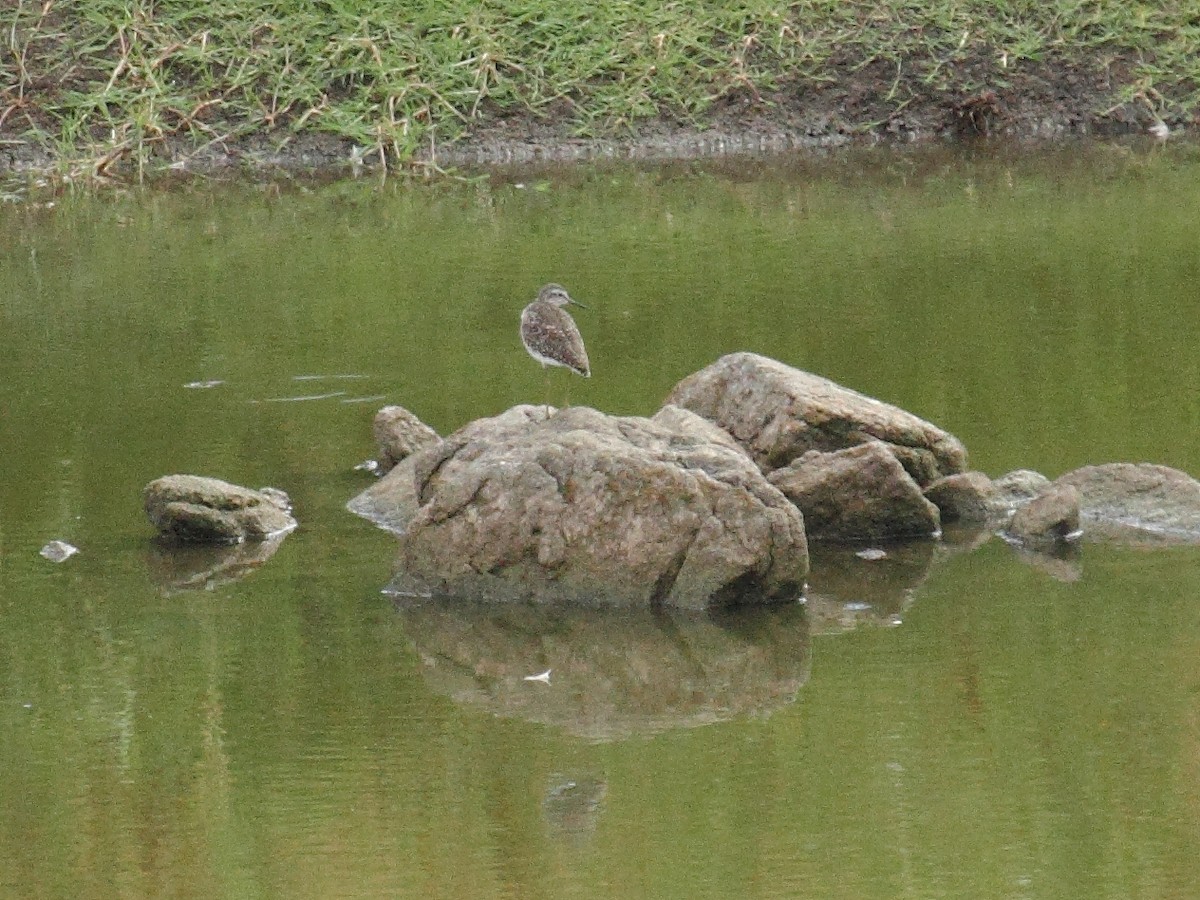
[[1044, 101]]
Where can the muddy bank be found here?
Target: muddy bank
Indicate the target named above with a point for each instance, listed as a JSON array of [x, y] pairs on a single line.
[[867, 105]]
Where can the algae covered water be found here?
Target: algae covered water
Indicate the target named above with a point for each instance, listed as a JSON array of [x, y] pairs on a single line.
[[971, 723]]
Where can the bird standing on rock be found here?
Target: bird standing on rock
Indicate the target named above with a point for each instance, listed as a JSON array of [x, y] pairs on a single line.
[[550, 335]]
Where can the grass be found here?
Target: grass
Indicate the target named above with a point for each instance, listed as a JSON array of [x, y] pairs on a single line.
[[119, 81]]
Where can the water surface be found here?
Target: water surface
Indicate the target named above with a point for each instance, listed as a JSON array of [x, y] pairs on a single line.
[[970, 724]]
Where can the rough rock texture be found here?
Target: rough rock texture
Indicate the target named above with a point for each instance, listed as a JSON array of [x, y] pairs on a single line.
[[778, 414], [861, 493], [1051, 515], [399, 434], [969, 498], [1018, 487], [593, 508], [1137, 501], [193, 508]]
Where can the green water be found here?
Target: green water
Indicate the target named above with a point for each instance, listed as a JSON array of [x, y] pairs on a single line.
[[986, 728]]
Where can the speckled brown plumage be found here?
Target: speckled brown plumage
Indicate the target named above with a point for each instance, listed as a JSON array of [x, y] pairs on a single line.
[[549, 333]]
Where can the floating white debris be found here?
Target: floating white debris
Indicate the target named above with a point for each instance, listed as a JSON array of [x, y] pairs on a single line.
[[211, 383], [374, 398], [57, 551], [872, 554], [368, 465], [345, 376], [328, 396], [543, 677]]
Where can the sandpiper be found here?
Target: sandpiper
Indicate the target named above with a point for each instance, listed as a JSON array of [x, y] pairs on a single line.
[[550, 336]]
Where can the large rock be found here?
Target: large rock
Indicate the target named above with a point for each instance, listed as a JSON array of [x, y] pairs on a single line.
[[778, 414], [587, 507], [862, 493], [1137, 501], [194, 508]]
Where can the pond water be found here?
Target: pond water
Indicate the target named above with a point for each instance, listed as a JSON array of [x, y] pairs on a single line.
[[970, 723]]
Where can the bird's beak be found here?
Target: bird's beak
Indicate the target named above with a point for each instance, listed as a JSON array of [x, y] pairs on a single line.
[[580, 305]]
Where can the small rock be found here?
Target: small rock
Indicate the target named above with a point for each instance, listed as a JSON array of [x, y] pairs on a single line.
[[1018, 487], [399, 434], [872, 554], [58, 551], [862, 493], [1050, 516], [968, 497], [194, 508]]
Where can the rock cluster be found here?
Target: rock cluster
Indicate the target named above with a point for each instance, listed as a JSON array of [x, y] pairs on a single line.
[[713, 501]]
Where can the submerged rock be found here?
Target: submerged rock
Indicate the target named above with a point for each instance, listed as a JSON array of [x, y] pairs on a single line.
[[1138, 502], [593, 508], [778, 413], [194, 508], [399, 434], [1050, 516], [862, 493]]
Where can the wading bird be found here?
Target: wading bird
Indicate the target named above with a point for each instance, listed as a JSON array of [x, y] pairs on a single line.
[[550, 336]]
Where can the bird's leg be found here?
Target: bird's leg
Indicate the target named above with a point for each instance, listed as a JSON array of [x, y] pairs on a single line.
[[546, 369]]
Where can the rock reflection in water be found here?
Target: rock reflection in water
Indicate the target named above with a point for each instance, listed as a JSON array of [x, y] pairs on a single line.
[[572, 806], [1062, 560], [846, 590], [616, 673], [183, 566]]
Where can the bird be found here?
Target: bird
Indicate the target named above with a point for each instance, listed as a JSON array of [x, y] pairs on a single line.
[[550, 336]]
